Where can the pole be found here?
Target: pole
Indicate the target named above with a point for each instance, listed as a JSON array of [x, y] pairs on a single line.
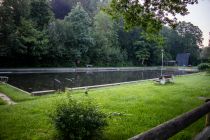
[[162, 63]]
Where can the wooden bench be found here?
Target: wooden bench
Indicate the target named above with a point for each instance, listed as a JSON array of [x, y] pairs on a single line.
[[165, 79], [3, 79]]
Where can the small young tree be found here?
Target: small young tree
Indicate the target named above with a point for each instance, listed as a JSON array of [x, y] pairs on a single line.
[[142, 53], [78, 119]]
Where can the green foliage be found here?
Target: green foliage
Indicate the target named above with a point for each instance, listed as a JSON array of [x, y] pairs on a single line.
[[81, 40], [148, 15], [107, 50], [204, 66], [142, 53], [172, 41], [191, 40], [22, 30], [2, 102], [30, 36], [11, 13], [71, 37], [40, 13], [28, 40], [78, 119], [205, 53], [191, 32]]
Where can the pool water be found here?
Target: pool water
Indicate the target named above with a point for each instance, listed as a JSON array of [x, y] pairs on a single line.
[[47, 81]]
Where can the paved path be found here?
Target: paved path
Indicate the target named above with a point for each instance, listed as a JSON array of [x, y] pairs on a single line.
[[7, 99]]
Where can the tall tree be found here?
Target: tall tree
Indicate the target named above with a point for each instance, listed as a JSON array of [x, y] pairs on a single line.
[[191, 39], [81, 27], [41, 13], [187, 29], [107, 48], [126, 41], [28, 41], [172, 42], [22, 35], [11, 12], [73, 36]]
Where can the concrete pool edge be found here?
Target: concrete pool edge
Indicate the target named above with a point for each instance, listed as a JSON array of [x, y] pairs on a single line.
[[45, 92], [18, 89]]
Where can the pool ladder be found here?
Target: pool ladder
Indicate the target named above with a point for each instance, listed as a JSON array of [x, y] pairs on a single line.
[[58, 85]]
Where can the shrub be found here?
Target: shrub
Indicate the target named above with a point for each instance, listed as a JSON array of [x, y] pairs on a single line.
[[203, 66], [78, 120]]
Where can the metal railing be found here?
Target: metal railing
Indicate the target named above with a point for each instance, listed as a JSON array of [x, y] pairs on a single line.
[[3, 79], [58, 85], [172, 127]]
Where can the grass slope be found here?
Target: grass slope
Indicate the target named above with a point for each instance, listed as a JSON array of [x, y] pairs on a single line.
[[145, 104], [15, 94]]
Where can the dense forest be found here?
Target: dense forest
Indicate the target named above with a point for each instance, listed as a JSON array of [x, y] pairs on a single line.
[[42, 33]]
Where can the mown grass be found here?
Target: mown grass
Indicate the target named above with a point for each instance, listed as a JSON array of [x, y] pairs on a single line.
[[144, 106], [2, 102], [15, 94]]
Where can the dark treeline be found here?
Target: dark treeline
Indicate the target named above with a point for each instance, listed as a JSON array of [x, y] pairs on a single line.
[[41, 33]]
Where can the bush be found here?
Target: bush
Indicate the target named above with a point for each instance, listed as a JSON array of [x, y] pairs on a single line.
[[203, 66], [78, 120]]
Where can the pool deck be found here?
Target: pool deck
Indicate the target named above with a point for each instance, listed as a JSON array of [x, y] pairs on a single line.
[[92, 69]]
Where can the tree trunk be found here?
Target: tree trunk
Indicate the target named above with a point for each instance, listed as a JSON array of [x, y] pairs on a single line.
[[142, 62]]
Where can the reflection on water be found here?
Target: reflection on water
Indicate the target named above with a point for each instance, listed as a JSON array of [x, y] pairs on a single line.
[[45, 81]]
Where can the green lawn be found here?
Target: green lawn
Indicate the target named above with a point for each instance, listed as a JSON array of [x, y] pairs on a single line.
[[2, 102], [15, 94], [145, 103]]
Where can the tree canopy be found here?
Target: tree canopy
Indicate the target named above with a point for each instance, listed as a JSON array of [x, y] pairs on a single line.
[[149, 15], [69, 33]]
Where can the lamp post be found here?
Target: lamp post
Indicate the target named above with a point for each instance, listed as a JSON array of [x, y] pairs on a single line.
[[162, 63]]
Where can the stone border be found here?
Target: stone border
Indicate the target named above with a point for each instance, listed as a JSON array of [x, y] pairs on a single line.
[[109, 85], [18, 89], [44, 92]]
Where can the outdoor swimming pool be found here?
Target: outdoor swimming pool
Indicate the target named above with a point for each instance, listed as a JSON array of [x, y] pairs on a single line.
[[46, 81]]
